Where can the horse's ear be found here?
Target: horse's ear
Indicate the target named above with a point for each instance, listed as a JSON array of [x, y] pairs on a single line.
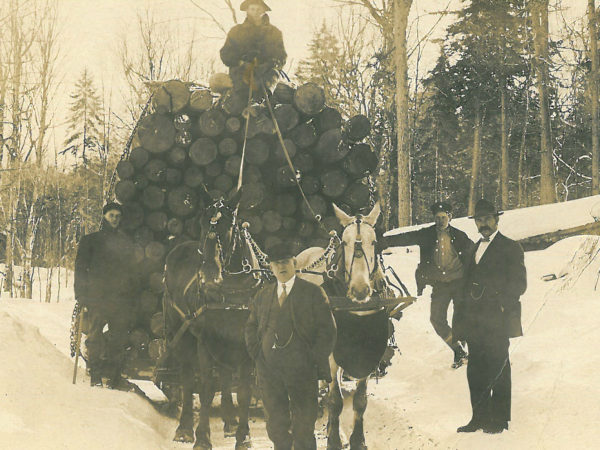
[[234, 197], [344, 218], [205, 196], [372, 217]]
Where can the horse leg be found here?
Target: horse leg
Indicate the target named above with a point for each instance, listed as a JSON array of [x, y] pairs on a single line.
[[359, 402], [227, 408], [207, 394], [244, 396], [335, 405], [185, 430]]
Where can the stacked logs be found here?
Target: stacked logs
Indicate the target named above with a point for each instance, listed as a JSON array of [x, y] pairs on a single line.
[[193, 140]]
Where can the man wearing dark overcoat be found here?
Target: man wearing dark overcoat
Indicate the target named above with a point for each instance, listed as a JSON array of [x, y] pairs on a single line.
[[254, 46], [106, 285], [290, 334], [444, 252], [495, 280]]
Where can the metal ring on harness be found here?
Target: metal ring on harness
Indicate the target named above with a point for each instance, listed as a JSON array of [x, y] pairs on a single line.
[[332, 271]]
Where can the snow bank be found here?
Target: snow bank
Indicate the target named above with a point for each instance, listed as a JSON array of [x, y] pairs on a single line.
[[535, 220], [41, 408]]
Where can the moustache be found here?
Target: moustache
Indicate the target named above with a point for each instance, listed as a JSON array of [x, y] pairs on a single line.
[[485, 228]]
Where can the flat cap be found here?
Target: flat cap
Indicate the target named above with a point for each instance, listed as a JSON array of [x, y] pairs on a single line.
[[112, 206], [440, 207]]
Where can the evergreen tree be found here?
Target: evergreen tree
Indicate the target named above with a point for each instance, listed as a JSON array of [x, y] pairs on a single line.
[[87, 142], [475, 85], [84, 121]]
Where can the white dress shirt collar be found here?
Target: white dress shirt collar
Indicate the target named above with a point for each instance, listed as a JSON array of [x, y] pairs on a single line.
[[492, 236], [289, 284], [482, 247]]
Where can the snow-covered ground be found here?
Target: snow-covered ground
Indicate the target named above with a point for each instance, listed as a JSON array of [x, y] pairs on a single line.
[[418, 405]]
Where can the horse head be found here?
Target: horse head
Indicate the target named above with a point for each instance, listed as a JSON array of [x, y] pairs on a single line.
[[216, 235], [358, 241]]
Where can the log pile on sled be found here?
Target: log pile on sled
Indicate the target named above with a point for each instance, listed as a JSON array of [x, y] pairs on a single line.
[[193, 139]]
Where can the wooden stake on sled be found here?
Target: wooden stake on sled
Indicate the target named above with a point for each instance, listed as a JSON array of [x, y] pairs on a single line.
[[78, 342]]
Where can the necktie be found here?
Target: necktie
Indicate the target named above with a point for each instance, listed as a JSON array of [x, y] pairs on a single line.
[[282, 296]]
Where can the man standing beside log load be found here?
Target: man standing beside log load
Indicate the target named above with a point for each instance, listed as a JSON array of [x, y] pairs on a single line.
[[445, 253], [106, 284], [254, 46]]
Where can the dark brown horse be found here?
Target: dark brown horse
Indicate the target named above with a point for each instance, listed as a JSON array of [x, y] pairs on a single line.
[[208, 287]]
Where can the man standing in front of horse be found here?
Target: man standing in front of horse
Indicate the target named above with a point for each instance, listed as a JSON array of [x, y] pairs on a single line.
[[106, 284], [290, 334], [445, 253], [495, 280]]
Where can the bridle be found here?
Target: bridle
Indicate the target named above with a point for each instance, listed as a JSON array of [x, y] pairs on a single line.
[[359, 252], [239, 237]]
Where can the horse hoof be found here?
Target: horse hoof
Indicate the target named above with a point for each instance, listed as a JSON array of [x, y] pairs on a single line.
[[359, 446], [184, 435], [202, 446], [229, 430], [243, 445]]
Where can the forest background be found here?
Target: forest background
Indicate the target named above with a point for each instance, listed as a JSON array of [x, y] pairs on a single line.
[[467, 99]]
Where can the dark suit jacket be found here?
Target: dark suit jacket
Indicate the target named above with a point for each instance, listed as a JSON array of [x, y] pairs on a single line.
[[105, 269], [493, 287], [312, 316]]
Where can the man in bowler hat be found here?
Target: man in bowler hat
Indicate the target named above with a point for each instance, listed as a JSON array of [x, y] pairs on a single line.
[[495, 280], [444, 252], [254, 46], [106, 284], [290, 334]]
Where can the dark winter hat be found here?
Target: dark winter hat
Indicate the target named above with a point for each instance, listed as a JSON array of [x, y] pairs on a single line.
[[485, 208], [112, 206], [246, 3], [441, 207], [281, 251]]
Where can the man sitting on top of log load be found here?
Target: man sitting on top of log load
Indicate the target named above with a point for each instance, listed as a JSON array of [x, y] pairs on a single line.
[[254, 45]]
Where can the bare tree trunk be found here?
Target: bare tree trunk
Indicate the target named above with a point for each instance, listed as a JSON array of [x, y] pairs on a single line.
[[521, 202], [593, 86], [504, 169], [47, 47], [48, 295], [476, 162], [540, 28], [401, 11]]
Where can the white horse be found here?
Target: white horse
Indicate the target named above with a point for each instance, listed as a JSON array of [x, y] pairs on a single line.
[[361, 336]]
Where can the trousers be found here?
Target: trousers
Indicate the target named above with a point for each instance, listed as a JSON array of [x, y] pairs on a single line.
[[489, 377], [441, 296], [290, 397], [115, 342]]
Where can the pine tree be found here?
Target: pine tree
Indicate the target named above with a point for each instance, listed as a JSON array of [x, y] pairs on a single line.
[[84, 121], [86, 141]]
